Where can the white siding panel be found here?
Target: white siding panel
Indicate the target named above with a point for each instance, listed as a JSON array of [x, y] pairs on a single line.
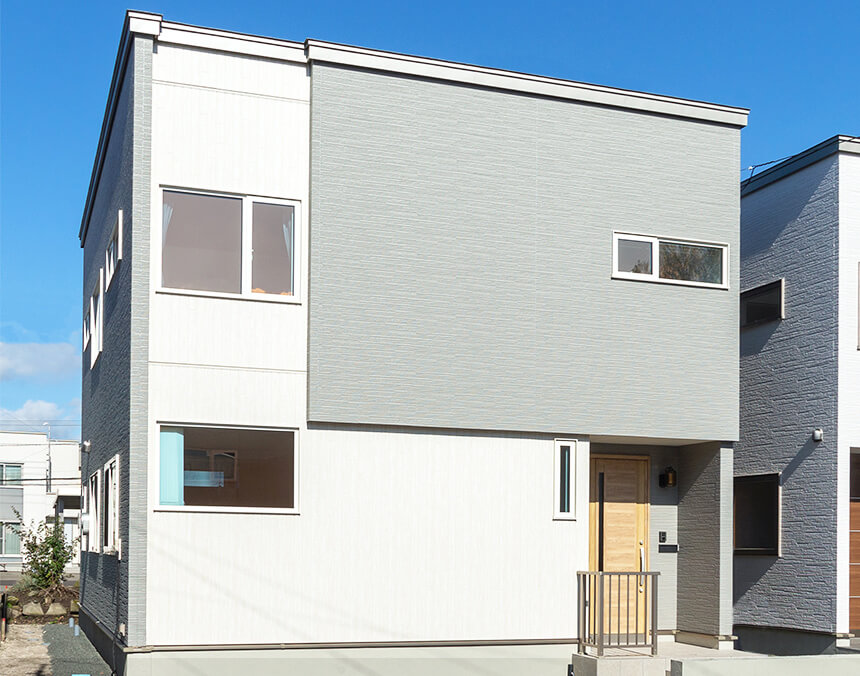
[[849, 361], [224, 140], [218, 70], [376, 556], [226, 396], [223, 332]]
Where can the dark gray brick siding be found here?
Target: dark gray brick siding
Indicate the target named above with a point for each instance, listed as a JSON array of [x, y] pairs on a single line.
[[106, 403], [705, 494], [788, 388]]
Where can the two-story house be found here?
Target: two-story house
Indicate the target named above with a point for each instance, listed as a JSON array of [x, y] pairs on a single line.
[[382, 350], [797, 466]]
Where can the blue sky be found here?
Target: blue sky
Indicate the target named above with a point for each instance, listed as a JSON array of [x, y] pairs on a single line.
[[791, 63]]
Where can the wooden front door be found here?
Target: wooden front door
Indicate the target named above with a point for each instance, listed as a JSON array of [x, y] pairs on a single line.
[[618, 533], [854, 547]]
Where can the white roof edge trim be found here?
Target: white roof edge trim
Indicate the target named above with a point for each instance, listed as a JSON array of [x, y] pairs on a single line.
[[318, 50], [236, 43]]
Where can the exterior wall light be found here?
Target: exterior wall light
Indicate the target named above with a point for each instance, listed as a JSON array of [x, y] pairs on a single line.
[[668, 478], [818, 434]]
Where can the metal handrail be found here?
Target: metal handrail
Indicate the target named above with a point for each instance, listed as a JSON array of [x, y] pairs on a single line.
[[605, 619]]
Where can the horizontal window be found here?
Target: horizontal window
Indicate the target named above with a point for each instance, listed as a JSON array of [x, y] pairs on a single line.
[[227, 467], [669, 261], [10, 474], [757, 514], [762, 304], [234, 245]]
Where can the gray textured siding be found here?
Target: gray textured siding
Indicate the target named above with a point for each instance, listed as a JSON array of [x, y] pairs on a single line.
[[461, 258], [705, 506], [788, 387], [107, 388]]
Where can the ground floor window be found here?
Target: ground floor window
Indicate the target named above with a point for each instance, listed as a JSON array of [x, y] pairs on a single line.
[[228, 467], [565, 476], [10, 541], [757, 514]]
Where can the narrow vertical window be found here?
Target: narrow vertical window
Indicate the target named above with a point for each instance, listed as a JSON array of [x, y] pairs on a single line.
[[565, 479], [273, 242]]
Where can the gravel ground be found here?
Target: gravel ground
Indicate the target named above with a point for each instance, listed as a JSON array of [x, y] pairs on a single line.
[[24, 652], [72, 654], [49, 650]]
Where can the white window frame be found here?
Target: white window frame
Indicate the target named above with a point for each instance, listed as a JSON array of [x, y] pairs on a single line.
[[294, 510], [654, 276], [781, 281], [3, 525], [557, 514], [97, 319], [94, 485], [110, 541], [113, 253], [86, 329], [3, 466], [246, 248]]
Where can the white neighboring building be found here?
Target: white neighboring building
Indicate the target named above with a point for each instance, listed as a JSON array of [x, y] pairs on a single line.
[[26, 489]]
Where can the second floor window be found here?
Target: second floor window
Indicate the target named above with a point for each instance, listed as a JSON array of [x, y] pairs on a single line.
[[10, 475], [670, 261], [226, 244]]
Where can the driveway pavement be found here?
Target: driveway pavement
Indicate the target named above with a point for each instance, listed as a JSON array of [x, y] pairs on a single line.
[[49, 650]]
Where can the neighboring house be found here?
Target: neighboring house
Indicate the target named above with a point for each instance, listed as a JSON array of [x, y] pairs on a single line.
[[797, 468], [34, 490], [381, 350]]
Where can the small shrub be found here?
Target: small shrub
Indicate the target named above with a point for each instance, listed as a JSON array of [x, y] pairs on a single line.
[[46, 554]]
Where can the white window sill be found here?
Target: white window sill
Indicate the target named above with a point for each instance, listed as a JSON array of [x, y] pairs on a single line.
[[255, 297], [632, 277], [563, 517], [202, 509]]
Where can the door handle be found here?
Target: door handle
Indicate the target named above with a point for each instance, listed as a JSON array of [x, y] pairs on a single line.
[[641, 564]]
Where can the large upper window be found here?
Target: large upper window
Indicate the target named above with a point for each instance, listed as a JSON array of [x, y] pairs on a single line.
[[762, 304], [757, 514], [670, 261], [228, 467], [236, 245]]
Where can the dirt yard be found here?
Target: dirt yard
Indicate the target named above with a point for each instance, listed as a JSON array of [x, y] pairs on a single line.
[[24, 652]]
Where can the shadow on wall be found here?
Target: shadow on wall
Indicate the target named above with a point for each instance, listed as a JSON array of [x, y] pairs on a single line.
[[789, 198], [804, 452], [754, 338], [748, 570]]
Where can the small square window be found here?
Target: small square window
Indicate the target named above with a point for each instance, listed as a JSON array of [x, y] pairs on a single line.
[[757, 514], [762, 304]]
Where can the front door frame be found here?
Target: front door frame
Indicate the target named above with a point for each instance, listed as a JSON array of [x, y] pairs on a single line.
[[592, 506]]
